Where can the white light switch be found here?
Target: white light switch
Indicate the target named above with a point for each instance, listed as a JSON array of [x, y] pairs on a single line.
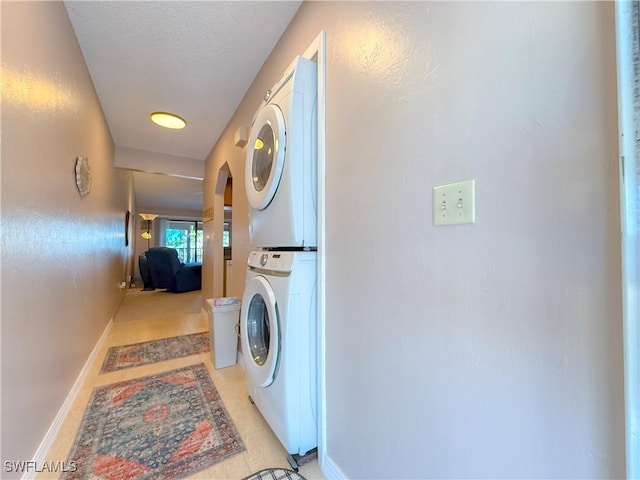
[[454, 203]]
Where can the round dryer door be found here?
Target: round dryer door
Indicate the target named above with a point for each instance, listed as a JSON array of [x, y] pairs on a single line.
[[259, 331], [265, 156]]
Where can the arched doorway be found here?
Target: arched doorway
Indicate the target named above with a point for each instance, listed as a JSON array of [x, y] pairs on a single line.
[[223, 217]]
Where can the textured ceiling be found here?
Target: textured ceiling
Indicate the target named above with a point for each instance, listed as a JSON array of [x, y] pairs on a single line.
[[196, 59]]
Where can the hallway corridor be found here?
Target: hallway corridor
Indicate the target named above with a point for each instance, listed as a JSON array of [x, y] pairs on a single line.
[[146, 316]]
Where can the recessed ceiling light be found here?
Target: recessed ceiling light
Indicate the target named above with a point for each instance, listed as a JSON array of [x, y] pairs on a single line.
[[168, 120]]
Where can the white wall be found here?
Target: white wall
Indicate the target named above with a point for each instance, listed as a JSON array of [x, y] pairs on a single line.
[[63, 257], [491, 350], [487, 350]]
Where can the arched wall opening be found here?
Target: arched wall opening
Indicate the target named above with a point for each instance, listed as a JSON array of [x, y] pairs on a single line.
[[223, 220]]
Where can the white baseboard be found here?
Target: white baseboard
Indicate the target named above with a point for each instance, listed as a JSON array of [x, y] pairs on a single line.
[[329, 469], [54, 429]]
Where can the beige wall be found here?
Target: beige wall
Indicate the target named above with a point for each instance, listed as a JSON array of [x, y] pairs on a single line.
[[225, 160], [488, 350], [63, 257]]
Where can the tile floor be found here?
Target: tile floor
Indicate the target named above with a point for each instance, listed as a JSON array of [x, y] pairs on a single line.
[[157, 314]]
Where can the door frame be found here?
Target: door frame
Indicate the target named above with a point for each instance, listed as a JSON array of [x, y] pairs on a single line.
[[628, 54]]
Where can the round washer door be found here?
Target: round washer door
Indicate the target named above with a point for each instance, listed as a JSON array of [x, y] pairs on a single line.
[[265, 156], [259, 331]]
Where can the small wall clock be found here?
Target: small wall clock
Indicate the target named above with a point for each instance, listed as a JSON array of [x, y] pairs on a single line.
[[83, 176]]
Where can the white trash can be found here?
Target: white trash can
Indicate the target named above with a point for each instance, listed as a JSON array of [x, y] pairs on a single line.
[[224, 316]]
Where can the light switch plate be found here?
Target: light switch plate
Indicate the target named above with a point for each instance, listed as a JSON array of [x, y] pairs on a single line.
[[454, 203]]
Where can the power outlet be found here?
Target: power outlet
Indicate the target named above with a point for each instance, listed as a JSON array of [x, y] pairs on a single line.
[[454, 203]]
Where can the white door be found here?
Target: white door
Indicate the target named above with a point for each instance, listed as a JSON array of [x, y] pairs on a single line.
[[259, 331], [265, 156]]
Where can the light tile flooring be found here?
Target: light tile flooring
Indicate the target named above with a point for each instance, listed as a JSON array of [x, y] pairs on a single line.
[[157, 314]]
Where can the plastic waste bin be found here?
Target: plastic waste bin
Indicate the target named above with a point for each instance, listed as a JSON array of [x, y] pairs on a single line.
[[224, 316]]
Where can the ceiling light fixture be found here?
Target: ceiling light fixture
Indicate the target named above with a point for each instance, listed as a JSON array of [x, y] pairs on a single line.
[[168, 120]]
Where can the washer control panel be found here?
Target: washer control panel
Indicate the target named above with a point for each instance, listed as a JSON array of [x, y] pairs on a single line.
[[274, 261]]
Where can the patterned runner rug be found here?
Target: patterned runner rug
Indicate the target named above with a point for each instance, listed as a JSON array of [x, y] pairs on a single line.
[[275, 474], [136, 354], [164, 426]]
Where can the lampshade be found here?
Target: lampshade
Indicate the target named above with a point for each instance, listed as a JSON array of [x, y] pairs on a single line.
[[148, 216]]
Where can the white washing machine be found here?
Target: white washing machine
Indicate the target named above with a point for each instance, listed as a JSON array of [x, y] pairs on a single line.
[[278, 337], [281, 165]]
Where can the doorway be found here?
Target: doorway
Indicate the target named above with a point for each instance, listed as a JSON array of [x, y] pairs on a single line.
[[223, 227], [226, 231]]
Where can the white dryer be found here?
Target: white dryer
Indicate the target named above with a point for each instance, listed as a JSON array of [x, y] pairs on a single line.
[[281, 165], [278, 337]]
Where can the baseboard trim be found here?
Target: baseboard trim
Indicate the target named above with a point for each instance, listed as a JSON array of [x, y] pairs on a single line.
[[47, 442], [329, 469]]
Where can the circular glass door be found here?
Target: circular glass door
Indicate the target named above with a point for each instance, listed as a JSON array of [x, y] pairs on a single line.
[[259, 331], [265, 156]]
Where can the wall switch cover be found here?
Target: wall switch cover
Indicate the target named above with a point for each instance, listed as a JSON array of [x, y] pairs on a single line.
[[454, 203]]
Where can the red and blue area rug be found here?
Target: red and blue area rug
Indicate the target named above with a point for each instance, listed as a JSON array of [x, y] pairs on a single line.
[[143, 353], [165, 426]]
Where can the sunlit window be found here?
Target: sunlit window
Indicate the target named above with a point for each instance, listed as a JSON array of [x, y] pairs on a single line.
[[186, 237]]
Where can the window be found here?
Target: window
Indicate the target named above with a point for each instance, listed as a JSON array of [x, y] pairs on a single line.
[[186, 238], [226, 233], [226, 236]]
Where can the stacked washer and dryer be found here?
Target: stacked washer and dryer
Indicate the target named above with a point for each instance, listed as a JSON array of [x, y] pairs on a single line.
[[278, 320]]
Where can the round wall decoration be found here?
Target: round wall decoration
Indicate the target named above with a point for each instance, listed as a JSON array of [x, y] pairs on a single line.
[[83, 176]]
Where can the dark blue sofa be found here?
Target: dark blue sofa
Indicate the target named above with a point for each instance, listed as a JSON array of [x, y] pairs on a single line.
[[166, 271]]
